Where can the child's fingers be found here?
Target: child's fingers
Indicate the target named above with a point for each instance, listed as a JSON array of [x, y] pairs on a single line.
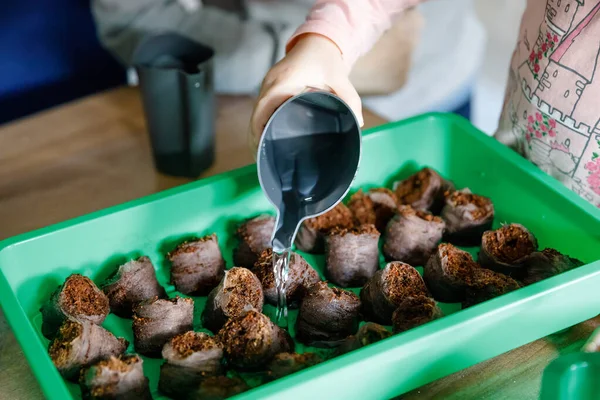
[[270, 100], [345, 91], [265, 107], [252, 143]]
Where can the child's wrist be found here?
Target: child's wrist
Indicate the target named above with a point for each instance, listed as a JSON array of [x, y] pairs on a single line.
[[317, 40], [320, 46]]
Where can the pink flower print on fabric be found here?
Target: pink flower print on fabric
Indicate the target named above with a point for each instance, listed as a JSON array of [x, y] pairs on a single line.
[[541, 126], [593, 167], [543, 50]]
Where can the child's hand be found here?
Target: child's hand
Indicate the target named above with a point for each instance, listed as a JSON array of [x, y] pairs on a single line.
[[314, 62]]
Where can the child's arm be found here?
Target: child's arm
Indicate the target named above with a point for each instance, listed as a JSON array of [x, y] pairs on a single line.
[[322, 51], [353, 25]]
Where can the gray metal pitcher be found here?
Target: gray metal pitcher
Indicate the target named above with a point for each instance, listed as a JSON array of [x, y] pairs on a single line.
[[176, 81], [308, 157]]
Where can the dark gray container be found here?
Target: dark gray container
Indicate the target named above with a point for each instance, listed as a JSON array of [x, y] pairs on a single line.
[[307, 159], [176, 81]]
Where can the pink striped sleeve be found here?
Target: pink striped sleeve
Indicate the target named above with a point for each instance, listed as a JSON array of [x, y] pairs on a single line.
[[353, 25]]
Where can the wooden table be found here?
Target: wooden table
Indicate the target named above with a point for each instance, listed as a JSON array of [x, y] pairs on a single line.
[[95, 153]]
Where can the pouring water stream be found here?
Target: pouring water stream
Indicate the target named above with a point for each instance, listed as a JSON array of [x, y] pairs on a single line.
[[308, 157]]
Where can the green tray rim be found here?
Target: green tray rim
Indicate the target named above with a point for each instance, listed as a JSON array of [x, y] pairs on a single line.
[[494, 145], [54, 386]]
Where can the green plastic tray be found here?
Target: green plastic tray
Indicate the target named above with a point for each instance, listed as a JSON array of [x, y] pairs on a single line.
[[33, 264], [572, 377]]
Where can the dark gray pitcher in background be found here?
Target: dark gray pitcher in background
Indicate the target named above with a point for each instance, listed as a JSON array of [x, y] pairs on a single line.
[[176, 80]]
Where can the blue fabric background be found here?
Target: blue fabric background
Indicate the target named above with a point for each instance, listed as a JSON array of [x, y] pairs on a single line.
[[49, 54]]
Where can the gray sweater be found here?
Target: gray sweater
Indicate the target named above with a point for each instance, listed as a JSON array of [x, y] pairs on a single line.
[[247, 36]]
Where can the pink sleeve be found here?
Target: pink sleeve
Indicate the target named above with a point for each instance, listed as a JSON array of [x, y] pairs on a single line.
[[353, 25]]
